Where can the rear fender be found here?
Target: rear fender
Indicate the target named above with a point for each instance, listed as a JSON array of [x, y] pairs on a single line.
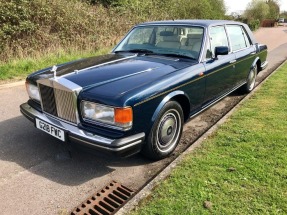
[[254, 63]]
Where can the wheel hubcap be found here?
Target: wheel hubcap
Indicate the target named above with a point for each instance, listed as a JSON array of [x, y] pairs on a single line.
[[168, 131], [252, 79]]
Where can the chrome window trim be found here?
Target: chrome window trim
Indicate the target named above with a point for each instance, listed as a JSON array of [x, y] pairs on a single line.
[[246, 36], [242, 29], [203, 44], [228, 38], [209, 37], [241, 49]]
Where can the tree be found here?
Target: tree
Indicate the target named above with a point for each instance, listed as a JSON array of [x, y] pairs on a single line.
[[262, 9], [283, 14], [256, 10], [175, 9], [274, 9]]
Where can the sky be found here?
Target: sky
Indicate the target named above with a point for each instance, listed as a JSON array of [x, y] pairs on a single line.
[[240, 5]]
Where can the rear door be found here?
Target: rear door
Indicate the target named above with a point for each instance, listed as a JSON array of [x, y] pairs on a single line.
[[244, 51]]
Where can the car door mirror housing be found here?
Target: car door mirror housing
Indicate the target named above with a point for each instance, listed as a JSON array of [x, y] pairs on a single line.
[[221, 50]]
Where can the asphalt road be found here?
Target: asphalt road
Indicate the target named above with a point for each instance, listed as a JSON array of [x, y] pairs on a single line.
[[38, 175]]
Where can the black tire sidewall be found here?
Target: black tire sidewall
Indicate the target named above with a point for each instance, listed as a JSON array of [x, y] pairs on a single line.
[[152, 151]]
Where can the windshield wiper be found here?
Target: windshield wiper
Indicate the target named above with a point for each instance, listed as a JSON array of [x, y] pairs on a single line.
[[178, 55], [144, 51]]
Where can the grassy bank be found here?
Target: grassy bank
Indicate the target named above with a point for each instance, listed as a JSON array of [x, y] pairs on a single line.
[[241, 169], [31, 28], [19, 68]]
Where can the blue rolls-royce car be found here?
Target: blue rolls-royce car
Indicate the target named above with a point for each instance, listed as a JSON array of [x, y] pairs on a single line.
[[138, 97]]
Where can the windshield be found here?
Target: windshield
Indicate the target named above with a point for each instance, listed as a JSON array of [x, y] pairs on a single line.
[[184, 41]]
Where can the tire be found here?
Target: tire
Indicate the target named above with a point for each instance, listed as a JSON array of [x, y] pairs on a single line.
[[165, 133], [251, 80]]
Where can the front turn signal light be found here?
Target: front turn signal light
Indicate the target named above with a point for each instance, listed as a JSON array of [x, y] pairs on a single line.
[[123, 116]]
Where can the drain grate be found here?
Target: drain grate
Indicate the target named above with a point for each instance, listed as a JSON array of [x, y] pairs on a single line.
[[105, 202]]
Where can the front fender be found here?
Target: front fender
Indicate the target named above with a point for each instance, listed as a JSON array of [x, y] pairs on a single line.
[[165, 100]]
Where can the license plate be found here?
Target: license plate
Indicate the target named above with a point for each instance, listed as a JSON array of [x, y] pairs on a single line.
[[50, 129]]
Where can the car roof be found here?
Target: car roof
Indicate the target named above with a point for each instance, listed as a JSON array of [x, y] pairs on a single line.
[[204, 23], [200, 22]]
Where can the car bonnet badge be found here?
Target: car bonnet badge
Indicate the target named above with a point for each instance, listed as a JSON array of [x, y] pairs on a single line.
[[54, 70]]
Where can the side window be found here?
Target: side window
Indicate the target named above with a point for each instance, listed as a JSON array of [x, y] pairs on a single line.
[[238, 37], [217, 38]]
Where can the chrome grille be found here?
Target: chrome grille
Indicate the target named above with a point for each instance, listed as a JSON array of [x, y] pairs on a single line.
[[66, 105], [48, 99], [59, 103]]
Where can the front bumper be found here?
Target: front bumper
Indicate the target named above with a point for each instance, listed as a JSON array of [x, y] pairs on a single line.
[[123, 147]]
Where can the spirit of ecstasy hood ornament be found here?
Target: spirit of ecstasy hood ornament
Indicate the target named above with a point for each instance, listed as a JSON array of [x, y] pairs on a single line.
[[54, 70]]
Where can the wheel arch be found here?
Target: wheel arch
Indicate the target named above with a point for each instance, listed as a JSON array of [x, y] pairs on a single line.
[[178, 96], [258, 65], [257, 62]]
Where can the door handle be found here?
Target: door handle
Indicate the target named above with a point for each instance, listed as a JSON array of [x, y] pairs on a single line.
[[252, 53], [232, 61]]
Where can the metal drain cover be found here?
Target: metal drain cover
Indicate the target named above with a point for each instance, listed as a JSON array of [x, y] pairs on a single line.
[[105, 202]]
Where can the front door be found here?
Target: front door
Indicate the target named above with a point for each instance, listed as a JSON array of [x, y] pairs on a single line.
[[220, 71]]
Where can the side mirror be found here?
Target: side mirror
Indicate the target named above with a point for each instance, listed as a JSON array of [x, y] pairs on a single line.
[[221, 50]]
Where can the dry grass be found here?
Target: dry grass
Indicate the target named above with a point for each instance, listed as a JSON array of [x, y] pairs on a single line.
[[29, 29]]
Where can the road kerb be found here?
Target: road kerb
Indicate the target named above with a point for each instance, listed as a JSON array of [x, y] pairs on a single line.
[[14, 84]]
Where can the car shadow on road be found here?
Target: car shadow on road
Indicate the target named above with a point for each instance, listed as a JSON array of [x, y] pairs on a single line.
[[41, 154]]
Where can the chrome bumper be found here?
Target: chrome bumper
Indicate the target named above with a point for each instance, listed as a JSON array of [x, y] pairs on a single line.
[[124, 146]]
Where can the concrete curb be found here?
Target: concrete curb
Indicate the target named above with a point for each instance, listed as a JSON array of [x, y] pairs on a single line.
[[147, 190], [14, 84]]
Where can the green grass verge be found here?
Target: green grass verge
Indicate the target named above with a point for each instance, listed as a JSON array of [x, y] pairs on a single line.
[[241, 169], [18, 69]]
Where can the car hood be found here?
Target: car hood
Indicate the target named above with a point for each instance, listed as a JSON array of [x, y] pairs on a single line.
[[100, 70], [114, 75]]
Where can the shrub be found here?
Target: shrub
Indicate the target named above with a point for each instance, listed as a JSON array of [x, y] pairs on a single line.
[[32, 28], [29, 27], [254, 24]]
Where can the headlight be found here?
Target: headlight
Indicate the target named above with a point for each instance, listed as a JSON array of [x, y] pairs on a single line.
[[119, 117], [33, 91]]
